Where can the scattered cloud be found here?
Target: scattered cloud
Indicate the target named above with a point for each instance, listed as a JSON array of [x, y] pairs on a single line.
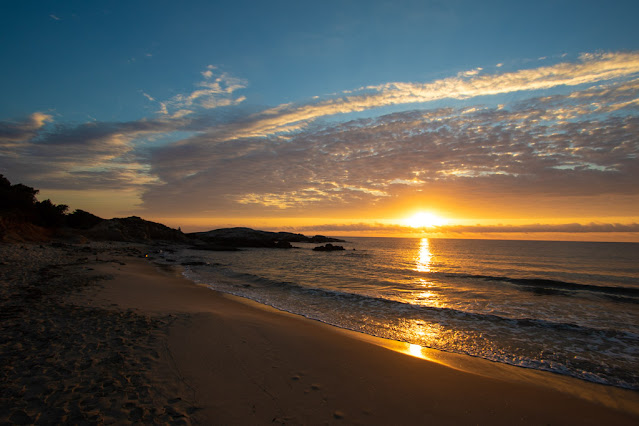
[[216, 90], [19, 131], [213, 92], [581, 141], [163, 109], [590, 69], [149, 97], [85, 156], [470, 73], [577, 144], [208, 73]]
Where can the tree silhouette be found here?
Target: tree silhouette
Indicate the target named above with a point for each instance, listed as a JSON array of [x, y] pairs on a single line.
[[19, 203], [50, 215], [17, 196]]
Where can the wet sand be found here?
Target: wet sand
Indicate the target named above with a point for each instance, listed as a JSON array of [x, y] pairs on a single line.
[[144, 344]]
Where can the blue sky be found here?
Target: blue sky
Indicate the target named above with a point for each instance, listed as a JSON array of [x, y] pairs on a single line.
[[220, 110], [92, 59]]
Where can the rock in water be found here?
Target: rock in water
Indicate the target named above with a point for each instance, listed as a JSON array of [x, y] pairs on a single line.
[[328, 247]]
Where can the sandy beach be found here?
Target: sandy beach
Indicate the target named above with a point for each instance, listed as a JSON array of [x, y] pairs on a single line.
[[95, 333]]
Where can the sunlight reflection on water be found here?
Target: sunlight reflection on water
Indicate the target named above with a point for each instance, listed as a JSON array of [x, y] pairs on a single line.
[[423, 263], [424, 256], [462, 296]]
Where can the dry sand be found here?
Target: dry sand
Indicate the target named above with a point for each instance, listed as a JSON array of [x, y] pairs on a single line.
[[68, 362], [144, 344]]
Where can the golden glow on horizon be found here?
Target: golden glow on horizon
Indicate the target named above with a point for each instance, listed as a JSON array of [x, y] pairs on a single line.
[[350, 226], [424, 220]]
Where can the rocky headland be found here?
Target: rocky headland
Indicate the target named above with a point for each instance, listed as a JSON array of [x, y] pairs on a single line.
[[232, 238]]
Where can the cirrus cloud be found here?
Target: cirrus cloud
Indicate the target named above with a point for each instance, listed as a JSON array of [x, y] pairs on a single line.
[[580, 141]]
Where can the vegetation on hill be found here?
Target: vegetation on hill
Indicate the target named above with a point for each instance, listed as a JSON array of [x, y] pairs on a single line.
[[23, 217], [18, 203]]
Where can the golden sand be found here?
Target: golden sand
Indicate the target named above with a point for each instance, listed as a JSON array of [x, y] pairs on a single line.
[[143, 344]]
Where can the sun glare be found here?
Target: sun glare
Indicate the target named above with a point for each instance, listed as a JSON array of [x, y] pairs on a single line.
[[415, 350], [424, 220]]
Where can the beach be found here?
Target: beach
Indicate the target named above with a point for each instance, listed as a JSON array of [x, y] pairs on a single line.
[[97, 333]]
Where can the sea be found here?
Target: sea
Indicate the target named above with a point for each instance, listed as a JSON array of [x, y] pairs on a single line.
[[570, 308]]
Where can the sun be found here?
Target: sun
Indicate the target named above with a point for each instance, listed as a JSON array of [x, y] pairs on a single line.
[[424, 220]]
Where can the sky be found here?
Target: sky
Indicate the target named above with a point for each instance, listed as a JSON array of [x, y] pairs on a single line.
[[495, 119]]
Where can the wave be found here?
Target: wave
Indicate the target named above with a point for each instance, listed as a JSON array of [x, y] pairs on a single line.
[[552, 287], [442, 315], [518, 341]]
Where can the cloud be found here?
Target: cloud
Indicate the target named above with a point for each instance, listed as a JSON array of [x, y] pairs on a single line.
[[591, 68], [475, 229], [574, 144], [208, 73], [536, 228], [210, 93], [149, 97], [163, 109], [470, 73], [290, 118], [17, 131], [582, 141], [86, 156]]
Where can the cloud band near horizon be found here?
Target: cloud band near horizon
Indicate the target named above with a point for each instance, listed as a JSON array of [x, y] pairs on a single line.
[[571, 228]]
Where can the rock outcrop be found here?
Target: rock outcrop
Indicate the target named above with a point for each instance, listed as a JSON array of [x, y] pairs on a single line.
[[247, 237], [328, 247], [133, 229]]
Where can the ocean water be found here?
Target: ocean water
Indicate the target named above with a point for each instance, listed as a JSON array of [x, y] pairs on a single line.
[[567, 307]]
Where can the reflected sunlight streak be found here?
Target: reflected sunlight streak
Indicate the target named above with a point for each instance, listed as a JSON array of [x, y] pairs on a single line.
[[415, 350], [424, 256], [424, 259], [422, 335]]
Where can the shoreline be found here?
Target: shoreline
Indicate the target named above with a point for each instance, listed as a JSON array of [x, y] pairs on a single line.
[[234, 361], [608, 395], [257, 326]]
